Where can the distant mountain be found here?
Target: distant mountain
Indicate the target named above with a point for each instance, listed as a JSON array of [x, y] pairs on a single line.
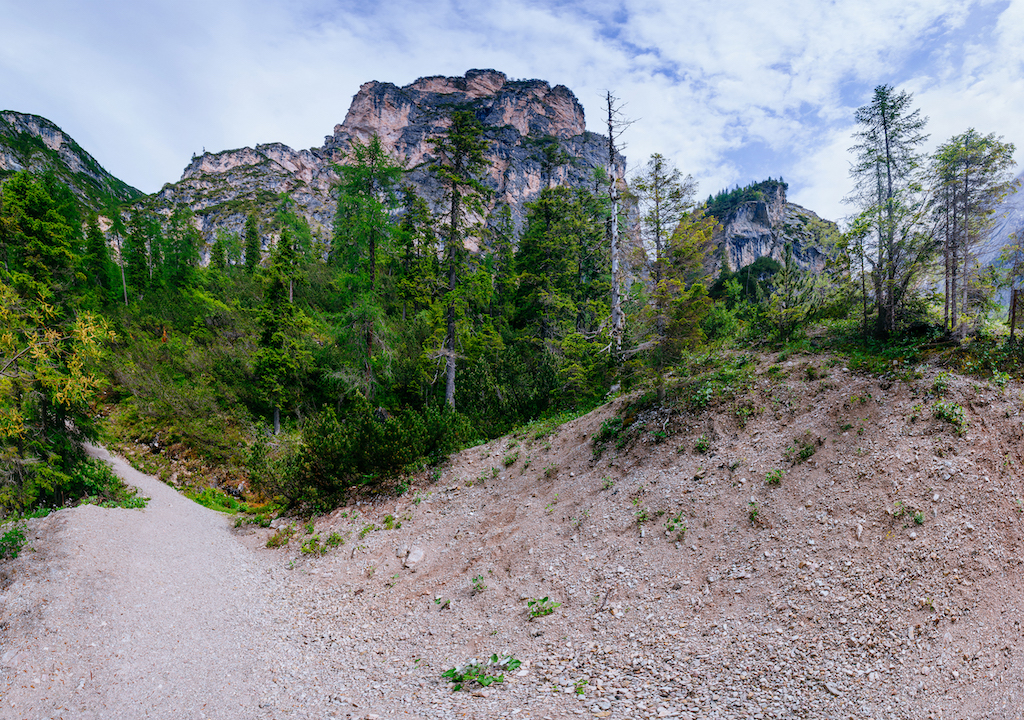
[[521, 119], [30, 142]]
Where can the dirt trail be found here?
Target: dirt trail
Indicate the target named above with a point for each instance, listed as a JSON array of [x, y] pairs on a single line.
[[139, 613]]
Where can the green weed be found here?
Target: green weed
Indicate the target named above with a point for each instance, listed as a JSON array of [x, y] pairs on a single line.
[[541, 607], [483, 673]]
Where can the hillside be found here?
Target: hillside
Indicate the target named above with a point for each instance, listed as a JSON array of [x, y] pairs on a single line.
[[30, 142], [880, 578]]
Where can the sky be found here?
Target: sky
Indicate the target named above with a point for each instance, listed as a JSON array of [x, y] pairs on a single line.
[[731, 93]]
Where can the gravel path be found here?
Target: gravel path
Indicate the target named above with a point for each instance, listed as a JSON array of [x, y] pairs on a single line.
[[152, 613]]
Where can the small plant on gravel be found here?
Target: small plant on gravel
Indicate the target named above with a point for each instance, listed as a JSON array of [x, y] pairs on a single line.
[[753, 511], [484, 673], [366, 530], [477, 585], [702, 446], [541, 607], [510, 459], [310, 528], [312, 546], [676, 525], [607, 483], [390, 523], [774, 477], [1020, 506], [580, 686], [919, 518], [642, 516], [550, 470], [442, 603], [953, 413], [941, 384], [334, 540], [12, 541], [281, 537]]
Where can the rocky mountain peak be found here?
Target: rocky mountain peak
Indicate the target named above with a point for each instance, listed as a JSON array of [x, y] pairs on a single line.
[[403, 116], [520, 119]]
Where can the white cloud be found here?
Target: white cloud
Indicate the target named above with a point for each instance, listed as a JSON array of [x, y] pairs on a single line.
[[144, 85]]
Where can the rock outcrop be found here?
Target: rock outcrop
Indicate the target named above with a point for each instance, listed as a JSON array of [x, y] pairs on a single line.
[[520, 117], [764, 226], [33, 143]]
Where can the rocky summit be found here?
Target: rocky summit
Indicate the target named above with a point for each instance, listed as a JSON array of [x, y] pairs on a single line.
[[764, 224], [522, 119]]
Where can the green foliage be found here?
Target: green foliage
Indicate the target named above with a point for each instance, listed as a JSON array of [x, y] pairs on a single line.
[[95, 483], [12, 541], [541, 607], [483, 673], [774, 477], [753, 512], [217, 499], [362, 447], [477, 585], [282, 537], [953, 413]]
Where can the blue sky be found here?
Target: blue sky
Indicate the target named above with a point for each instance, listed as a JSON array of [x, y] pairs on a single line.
[[731, 92]]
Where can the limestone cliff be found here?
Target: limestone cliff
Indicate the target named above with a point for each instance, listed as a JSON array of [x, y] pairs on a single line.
[[33, 143], [760, 222], [520, 118]]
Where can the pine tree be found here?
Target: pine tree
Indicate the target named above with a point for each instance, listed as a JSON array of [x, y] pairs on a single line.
[[281, 358]]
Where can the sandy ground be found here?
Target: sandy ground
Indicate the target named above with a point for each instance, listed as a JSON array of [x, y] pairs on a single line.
[[881, 578]]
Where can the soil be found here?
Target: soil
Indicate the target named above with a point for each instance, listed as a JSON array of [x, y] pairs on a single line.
[[879, 578]]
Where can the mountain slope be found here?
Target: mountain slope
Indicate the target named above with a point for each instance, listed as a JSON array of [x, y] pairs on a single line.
[[33, 143]]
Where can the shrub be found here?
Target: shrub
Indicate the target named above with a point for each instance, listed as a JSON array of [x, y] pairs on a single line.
[[953, 413], [12, 541]]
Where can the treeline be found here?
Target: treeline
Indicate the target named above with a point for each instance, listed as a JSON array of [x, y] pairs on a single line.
[[311, 364]]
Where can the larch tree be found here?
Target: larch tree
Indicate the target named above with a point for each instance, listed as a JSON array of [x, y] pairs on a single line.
[[664, 195], [887, 174], [971, 174], [460, 159], [363, 232]]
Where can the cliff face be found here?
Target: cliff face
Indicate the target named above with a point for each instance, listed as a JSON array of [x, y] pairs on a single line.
[[33, 143], [759, 228], [519, 118]]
